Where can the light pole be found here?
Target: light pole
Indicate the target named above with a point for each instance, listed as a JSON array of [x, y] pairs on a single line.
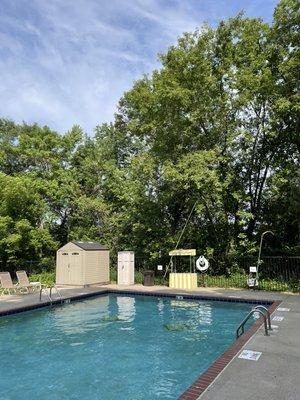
[[259, 252]]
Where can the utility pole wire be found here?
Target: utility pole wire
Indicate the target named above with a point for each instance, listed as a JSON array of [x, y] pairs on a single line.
[[187, 221], [180, 236]]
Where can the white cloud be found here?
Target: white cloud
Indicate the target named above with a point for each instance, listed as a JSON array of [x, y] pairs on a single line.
[[68, 62]]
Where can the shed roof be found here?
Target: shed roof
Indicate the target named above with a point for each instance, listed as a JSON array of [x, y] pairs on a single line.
[[90, 245]]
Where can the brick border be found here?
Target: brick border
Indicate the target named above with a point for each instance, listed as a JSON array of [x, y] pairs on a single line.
[[207, 378]]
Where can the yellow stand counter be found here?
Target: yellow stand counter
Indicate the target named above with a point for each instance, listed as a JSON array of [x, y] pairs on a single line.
[[186, 280], [183, 280]]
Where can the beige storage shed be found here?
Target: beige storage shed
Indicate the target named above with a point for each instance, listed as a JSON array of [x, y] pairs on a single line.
[[82, 264]]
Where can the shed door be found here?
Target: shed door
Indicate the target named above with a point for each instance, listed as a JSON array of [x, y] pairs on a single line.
[[64, 267], [75, 270]]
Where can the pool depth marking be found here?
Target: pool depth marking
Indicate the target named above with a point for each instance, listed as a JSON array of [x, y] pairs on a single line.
[[277, 318], [250, 355]]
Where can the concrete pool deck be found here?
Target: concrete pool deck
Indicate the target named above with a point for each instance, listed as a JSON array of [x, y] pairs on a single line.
[[274, 376]]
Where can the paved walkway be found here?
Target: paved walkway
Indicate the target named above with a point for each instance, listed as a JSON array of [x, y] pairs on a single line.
[[275, 376], [12, 302]]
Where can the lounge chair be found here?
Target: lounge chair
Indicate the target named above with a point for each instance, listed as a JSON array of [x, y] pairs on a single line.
[[7, 284], [23, 282]]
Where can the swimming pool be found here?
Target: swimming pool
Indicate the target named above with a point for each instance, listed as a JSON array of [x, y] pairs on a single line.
[[114, 346]]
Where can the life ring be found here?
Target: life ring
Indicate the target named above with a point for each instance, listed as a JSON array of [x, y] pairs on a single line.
[[202, 264]]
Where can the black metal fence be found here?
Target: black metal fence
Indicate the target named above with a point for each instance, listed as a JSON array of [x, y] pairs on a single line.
[[281, 273]]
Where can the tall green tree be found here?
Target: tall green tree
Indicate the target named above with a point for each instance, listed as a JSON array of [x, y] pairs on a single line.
[[212, 137]]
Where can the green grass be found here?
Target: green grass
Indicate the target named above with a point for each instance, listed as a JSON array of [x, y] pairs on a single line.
[[239, 281], [233, 281]]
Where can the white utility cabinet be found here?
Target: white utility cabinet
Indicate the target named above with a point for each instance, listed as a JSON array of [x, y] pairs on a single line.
[[126, 268]]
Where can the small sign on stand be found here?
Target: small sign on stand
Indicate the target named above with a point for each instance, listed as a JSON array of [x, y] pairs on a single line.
[[252, 281], [160, 269]]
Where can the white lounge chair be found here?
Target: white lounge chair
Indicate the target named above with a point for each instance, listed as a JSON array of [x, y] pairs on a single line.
[[7, 285], [23, 282]]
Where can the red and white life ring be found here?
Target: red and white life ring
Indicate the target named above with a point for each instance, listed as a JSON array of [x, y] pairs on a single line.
[[202, 264]]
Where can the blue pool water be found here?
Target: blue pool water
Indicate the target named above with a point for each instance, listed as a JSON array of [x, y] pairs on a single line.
[[113, 347]]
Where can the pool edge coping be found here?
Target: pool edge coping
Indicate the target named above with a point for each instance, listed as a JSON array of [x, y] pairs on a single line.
[[201, 384], [42, 304]]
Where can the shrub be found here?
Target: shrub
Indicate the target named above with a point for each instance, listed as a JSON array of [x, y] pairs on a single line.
[[45, 277]]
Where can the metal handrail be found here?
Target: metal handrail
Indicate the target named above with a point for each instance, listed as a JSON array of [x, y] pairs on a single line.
[[57, 291], [242, 324], [47, 294], [268, 315]]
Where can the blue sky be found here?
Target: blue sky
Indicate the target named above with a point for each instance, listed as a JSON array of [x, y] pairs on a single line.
[[66, 62]]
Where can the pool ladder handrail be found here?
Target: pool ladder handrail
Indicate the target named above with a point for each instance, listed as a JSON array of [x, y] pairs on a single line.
[[267, 320], [44, 288], [267, 313], [57, 291], [49, 294]]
